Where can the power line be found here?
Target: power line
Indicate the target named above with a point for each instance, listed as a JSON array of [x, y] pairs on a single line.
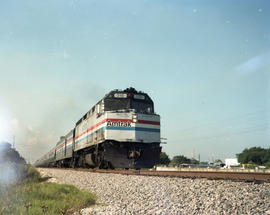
[[240, 117], [262, 127], [250, 118]]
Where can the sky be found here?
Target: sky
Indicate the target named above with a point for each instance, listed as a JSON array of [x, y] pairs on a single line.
[[206, 65]]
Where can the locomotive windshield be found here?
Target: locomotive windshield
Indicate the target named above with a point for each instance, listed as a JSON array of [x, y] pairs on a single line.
[[116, 104], [119, 101], [142, 107]]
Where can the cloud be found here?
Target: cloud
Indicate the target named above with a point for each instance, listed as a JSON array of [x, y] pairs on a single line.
[[14, 123], [254, 64], [52, 113], [33, 141]]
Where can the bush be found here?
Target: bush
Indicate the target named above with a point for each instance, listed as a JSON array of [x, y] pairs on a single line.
[[255, 155], [13, 168], [181, 159], [164, 159], [23, 191], [43, 198], [28, 173], [251, 165]]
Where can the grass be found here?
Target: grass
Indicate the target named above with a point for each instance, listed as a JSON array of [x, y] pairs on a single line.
[[34, 196]]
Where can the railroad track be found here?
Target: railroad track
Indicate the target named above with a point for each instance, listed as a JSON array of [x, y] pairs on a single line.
[[234, 176]]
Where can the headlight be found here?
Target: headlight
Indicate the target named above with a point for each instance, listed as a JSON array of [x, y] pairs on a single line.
[[134, 118]]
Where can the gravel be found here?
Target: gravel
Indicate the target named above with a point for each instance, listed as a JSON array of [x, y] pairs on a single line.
[[127, 194]]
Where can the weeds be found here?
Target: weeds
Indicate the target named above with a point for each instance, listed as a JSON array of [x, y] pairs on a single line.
[[23, 191], [33, 196]]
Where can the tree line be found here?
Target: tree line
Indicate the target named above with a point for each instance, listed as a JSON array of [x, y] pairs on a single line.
[[254, 155], [176, 160]]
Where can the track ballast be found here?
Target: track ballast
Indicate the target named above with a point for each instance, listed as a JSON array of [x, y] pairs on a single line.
[[213, 175]]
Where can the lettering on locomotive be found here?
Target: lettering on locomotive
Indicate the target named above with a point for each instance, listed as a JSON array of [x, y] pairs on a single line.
[[118, 124]]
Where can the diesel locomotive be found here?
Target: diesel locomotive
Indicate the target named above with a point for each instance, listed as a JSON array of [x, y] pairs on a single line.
[[120, 131]]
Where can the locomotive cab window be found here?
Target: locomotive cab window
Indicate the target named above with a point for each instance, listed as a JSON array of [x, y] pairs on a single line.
[[126, 104], [142, 107], [111, 104]]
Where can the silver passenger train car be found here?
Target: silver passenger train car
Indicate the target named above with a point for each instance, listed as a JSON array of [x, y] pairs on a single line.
[[120, 131]]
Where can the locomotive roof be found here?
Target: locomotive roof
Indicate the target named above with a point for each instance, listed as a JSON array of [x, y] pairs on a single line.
[[130, 90]]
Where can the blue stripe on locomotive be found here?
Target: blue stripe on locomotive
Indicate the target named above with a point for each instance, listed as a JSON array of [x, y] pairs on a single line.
[[120, 128]]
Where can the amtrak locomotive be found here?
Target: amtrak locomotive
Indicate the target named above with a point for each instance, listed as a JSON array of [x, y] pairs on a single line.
[[120, 131]]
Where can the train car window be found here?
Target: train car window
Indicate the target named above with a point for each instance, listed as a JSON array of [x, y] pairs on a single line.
[[90, 113], [102, 106], [97, 108]]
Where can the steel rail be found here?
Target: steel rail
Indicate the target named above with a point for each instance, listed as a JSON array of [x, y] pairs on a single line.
[[213, 175]]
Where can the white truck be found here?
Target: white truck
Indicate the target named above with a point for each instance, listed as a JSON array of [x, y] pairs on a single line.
[[231, 163]]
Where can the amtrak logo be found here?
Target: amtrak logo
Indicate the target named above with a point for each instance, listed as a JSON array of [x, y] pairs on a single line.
[[118, 124]]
